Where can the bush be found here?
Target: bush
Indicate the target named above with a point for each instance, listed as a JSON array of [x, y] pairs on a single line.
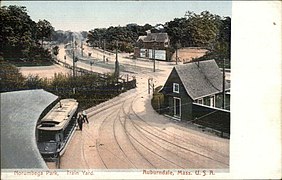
[[88, 90], [10, 77], [158, 100], [35, 82]]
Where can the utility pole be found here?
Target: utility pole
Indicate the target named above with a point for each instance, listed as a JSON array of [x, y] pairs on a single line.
[[223, 85], [153, 55], [81, 48], [104, 50], [117, 63], [73, 63], [91, 63], [150, 84], [176, 57], [176, 52]]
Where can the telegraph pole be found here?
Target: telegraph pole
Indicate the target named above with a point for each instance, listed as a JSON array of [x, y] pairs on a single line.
[[104, 42], [176, 52], [117, 63], [154, 61], [73, 63], [81, 48], [153, 55], [223, 85], [176, 57]]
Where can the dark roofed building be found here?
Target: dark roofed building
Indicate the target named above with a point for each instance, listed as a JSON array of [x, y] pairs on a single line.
[[201, 79], [195, 84], [157, 42], [153, 40], [20, 111]]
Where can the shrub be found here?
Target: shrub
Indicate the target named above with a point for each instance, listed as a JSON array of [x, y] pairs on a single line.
[[158, 100], [10, 77]]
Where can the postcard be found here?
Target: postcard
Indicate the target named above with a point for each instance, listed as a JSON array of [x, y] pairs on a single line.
[[140, 89]]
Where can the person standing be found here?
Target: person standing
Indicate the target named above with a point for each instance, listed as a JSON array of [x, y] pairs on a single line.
[[85, 117], [80, 121]]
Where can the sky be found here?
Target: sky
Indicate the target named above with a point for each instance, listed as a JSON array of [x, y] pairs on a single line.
[[87, 15]]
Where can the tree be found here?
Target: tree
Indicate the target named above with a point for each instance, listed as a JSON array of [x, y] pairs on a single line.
[[224, 38], [44, 30], [19, 36], [16, 32], [56, 50]]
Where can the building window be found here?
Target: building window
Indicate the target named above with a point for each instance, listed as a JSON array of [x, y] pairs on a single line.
[[200, 101], [175, 87], [212, 101]]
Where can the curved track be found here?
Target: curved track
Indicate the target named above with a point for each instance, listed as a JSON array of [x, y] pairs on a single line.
[[125, 133]]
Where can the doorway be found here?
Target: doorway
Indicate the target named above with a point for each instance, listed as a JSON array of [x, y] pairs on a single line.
[[177, 107]]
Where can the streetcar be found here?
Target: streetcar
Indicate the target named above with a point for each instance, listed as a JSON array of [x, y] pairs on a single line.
[[56, 128]]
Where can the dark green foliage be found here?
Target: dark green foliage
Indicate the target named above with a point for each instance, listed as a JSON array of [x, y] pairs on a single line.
[[158, 100], [10, 77], [35, 82], [44, 30], [216, 56], [56, 50], [169, 52], [62, 36], [194, 30], [19, 36], [88, 89], [126, 36], [202, 30]]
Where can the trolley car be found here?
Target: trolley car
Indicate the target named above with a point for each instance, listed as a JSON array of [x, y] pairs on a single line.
[[56, 129]]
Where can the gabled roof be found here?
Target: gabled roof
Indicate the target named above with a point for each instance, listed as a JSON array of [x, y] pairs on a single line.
[[201, 79], [154, 37]]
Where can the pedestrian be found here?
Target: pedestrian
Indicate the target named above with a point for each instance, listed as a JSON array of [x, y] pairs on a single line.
[[85, 117], [80, 121]]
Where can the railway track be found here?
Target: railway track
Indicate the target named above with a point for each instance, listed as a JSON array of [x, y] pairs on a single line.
[[160, 137], [125, 138], [112, 119]]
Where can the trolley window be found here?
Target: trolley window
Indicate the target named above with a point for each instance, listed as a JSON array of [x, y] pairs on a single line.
[[46, 136]]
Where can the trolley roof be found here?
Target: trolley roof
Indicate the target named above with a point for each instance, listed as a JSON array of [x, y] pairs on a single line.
[[20, 111], [58, 117]]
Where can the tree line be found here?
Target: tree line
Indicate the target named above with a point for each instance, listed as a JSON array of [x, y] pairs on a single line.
[[194, 30], [125, 35], [22, 38]]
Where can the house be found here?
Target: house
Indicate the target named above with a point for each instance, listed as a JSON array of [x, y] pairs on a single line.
[[157, 42], [153, 40], [195, 89]]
